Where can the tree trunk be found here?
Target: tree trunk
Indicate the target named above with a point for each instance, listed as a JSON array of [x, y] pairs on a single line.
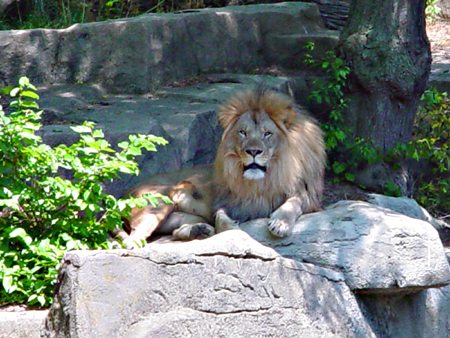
[[385, 44]]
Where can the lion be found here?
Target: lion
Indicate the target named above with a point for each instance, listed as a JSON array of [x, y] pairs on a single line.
[[269, 164]]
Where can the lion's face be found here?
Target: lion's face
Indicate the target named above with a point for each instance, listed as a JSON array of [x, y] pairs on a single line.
[[256, 141]]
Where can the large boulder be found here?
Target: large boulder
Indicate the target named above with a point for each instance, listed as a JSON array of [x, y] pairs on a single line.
[[421, 314], [377, 249], [140, 53], [225, 286]]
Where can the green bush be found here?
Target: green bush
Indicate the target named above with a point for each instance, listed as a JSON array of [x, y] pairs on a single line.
[[431, 141], [42, 215]]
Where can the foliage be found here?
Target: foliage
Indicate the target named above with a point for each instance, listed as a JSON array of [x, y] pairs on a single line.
[[43, 214], [429, 145], [431, 9], [330, 92], [63, 13], [432, 132]]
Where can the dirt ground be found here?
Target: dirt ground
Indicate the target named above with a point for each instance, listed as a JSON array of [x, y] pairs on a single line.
[[438, 32]]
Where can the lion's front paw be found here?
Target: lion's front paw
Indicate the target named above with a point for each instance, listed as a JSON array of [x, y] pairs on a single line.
[[280, 227], [224, 222], [201, 230], [193, 231]]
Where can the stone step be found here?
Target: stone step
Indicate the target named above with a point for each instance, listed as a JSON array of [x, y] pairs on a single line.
[[288, 50], [440, 77], [25, 324]]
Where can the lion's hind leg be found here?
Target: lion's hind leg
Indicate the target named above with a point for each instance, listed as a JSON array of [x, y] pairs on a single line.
[[184, 226]]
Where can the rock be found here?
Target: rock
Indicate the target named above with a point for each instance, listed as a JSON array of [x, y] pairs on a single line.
[[411, 208], [26, 324], [167, 47], [422, 314], [440, 76], [4, 5], [377, 250], [225, 286], [444, 6]]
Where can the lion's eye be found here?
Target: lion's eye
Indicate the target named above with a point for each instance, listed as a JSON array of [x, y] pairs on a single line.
[[267, 134], [243, 133]]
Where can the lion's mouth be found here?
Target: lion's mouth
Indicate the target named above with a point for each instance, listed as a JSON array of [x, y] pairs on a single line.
[[255, 166], [254, 171]]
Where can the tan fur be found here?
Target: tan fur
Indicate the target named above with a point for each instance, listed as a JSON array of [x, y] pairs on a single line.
[[299, 161], [270, 163]]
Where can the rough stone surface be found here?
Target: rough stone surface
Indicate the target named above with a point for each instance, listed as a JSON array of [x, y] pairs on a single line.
[[422, 314], [166, 47], [4, 4], [405, 206], [225, 286], [378, 250], [439, 77], [25, 324]]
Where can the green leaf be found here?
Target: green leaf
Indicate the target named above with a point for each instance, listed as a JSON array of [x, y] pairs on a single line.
[[6, 90], [338, 167], [123, 145], [349, 177], [134, 151], [29, 104], [24, 81], [22, 234], [81, 129], [14, 92], [98, 133], [30, 94], [7, 282]]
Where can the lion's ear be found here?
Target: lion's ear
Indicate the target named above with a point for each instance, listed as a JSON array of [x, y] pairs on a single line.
[[289, 118], [225, 119]]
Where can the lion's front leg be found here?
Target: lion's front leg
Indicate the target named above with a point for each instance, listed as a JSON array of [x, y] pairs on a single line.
[[223, 222], [283, 219]]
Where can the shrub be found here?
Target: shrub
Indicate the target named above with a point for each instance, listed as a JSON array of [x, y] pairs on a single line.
[[42, 215], [431, 137]]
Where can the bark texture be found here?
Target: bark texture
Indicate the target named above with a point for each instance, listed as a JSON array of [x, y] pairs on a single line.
[[386, 47]]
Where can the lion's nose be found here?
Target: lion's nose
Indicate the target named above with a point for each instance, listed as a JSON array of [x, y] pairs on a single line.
[[253, 152]]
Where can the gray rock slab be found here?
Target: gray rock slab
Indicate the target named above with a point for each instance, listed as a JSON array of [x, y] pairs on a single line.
[[422, 314], [377, 250], [288, 50], [225, 286], [406, 206], [190, 126], [138, 54], [26, 324], [440, 77]]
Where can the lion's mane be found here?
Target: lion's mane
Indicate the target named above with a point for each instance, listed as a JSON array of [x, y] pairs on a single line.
[[297, 167]]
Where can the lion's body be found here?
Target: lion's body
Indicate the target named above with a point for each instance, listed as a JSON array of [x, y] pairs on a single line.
[[269, 164]]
